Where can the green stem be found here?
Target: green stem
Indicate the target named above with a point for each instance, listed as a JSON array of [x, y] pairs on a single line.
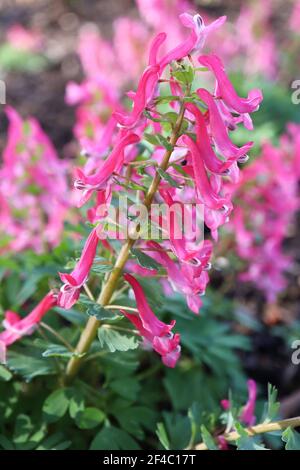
[[90, 331], [258, 429]]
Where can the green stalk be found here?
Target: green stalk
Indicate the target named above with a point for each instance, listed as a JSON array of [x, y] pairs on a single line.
[[90, 331]]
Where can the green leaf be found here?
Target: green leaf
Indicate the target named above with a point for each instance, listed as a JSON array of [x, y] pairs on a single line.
[[162, 436], [72, 315], [208, 439], [145, 261], [28, 366], [126, 387], [272, 407], [185, 75], [291, 438], [246, 442], [56, 350], [54, 442], [158, 139], [102, 313], [115, 341], [12, 58], [76, 404], [101, 268], [90, 418], [5, 374], [167, 99], [134, 419], [56, 405], [164, 175], [5, 443], [112, 438]]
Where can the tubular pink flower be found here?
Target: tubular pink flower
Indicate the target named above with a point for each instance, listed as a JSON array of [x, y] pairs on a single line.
[[154, 48], [143, 96], [211, 161], [219, 131], [16, 327], [226, 91], [205, 191], [185, 278], [70, 291], [195, 40], [114, 162], [248, 412], [159, 334]]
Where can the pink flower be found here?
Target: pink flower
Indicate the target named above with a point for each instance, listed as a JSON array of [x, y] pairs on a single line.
[[24, 39], [33, 185], [114, 162], [219, 131], [159, 334], [205, 190], [195, 40], [17, 327], [142, 98], [187, 277], [211, 161], [70, 291], [247, 415], [248, 412], [226, 91]]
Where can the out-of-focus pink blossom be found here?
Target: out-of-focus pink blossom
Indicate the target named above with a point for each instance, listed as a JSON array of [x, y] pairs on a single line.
[[248, 411], [33, 187], [267, 196], [247, 415], [17, 327], [24, 39]]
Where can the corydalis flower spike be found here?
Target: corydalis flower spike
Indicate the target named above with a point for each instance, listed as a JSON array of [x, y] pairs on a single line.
[[226, 91], [70, 291], [152, 329]]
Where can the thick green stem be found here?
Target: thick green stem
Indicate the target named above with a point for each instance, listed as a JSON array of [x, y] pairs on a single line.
[[90, 331], [258, 429]]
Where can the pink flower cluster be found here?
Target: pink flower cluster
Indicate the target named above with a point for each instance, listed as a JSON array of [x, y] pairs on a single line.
[[207, 160], [33, 188], [203, 167], [267, 198]]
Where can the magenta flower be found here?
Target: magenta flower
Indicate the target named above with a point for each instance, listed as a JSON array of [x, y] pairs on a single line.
[[195, 40], [159, 334], [205, 190], [187, 277], [247, 415], [226, 91], [142, 98], [219, 131], [154, 48], [89, 184], [17, 327], [248, 411], [70, 291], [211, 161]]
